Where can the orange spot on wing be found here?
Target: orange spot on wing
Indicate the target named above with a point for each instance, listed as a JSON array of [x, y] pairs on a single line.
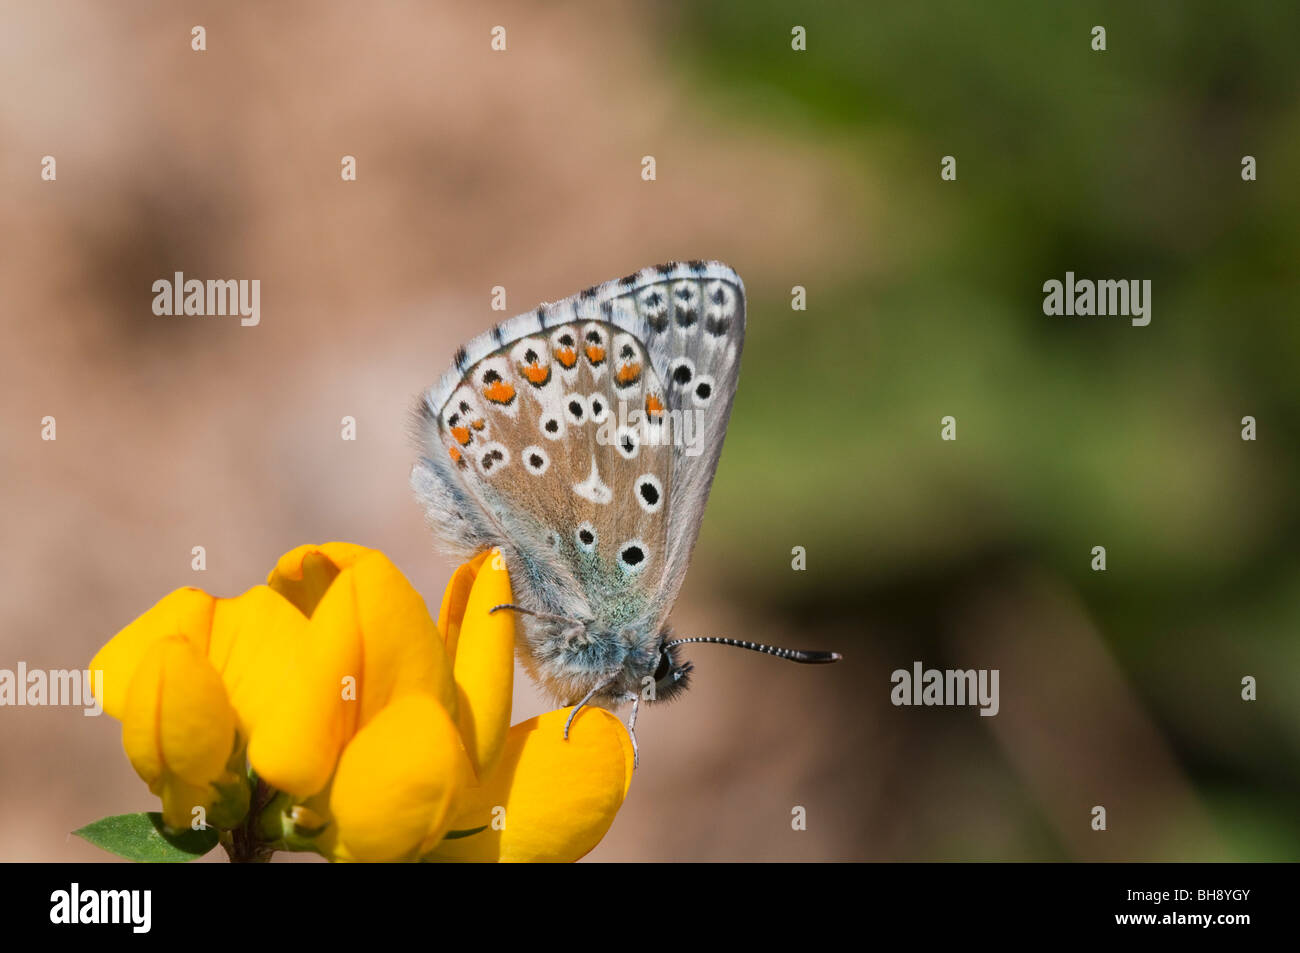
[[629, 373], [462, 435], [478, 424], [536, 373], [654, 407], [595, 354], [499, 392], [455, 453], [566, 356]]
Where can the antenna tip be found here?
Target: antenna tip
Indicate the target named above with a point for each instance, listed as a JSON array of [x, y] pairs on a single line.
[[836, 656]]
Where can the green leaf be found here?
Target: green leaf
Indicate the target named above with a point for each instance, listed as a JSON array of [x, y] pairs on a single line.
[[142, 837]]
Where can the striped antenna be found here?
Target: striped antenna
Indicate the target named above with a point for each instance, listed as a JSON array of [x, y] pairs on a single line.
[[794, 655]]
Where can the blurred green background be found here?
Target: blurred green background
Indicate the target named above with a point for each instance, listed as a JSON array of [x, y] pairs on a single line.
[[1072, 431]]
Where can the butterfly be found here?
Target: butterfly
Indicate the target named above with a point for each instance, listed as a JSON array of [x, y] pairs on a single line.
[[581, 440]]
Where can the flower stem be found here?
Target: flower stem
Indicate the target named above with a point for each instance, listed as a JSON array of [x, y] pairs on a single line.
[[242, 843]]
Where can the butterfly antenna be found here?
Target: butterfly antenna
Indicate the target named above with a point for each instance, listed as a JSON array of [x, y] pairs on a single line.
[[794, 655]]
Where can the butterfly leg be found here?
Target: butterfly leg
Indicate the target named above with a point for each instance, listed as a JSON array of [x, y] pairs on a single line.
[[537, 615], [631, 728], [585, 698]]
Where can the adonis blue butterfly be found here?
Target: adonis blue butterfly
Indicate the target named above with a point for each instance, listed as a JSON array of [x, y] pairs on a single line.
[[581, 439]]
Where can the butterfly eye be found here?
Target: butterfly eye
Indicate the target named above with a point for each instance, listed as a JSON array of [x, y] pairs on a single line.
[[670, 677], [665, 666]]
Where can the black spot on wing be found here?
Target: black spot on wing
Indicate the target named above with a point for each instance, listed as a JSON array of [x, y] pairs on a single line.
[[462, 356]]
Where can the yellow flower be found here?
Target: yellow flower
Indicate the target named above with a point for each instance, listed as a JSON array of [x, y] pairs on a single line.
[[423, 747], [188, 680], [382, 734]]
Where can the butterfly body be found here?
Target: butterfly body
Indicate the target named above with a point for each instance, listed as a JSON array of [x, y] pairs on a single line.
[[581, 439]]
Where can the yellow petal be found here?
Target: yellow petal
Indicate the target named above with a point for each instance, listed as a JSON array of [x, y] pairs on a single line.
[[369, 642], [559, 797], [403, 652], [454, 600], [178, 728], [255, 641], [185, 612], [303, 574], [392, 794], [485, 666], [298, 736]]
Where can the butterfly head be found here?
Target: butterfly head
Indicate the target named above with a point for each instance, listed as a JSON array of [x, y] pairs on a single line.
[[671, 675]]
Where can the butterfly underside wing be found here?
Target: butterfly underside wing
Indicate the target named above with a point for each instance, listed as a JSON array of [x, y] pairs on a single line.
[[582, 438]]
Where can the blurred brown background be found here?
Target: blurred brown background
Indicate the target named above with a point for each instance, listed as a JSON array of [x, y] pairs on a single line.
[[818, 169]]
